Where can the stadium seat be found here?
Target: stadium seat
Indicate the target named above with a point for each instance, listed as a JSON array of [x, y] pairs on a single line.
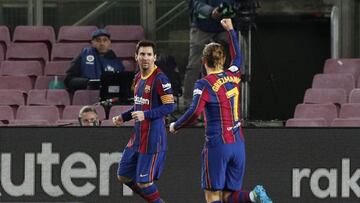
[[326, 111], [4, 41], [334, 80], [345, 65], [117, 110], [325, 95], [72, 112], [56, 68], [12, 97], [25, 68], [75, 33], [42, 82], [29, 123], [86, 97], [346, 122], [28, 51], [48, 113], [125, 33], [354, 96], [107, 123], [66, 51], [67, 123], [58, 97], [124, 50], [129, 65], [6, 114], [350, 110], [306, 122], [23, 83]]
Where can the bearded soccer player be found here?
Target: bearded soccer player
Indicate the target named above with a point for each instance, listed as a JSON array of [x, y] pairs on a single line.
[[144, 156], [223, 156]]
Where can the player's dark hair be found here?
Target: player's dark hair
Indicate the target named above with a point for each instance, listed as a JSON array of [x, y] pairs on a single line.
[[146, 43], [214, 55]]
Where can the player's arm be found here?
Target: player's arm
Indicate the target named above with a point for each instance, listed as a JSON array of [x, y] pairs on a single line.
[[200, 97], [234, 47]]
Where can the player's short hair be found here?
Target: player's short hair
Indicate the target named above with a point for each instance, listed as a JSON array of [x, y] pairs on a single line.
[[214, 54], [146, 43]]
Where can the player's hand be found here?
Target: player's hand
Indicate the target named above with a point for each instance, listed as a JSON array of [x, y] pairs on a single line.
[[117, 120], [138, 115], [227, 24], [172, 128]]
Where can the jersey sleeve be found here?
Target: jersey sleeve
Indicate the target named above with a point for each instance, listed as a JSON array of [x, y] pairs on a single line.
[[235, 52], [200, 98]]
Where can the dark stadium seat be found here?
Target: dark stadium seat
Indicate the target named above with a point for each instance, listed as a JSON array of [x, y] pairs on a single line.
[[334, 80], [346, 65], [56, 68], [125, 33], [306, 122], [12, 97], [6, 114], [66, 51], [75, 33], [354, 96], [117, 110], [28, 51], [58, 97], [86, 97], [48, 113], [23, 83], [4, 41], [42, 82], [72, 112], [326, 111], [124, 50], [346, 122], [325, 95], [25, 68], [350, 110]]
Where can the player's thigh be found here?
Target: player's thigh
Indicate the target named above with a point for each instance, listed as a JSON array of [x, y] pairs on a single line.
[[213, 169], [128, 163], [150, 167], [236, 167]]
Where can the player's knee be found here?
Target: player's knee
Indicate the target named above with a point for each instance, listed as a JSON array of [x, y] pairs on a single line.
[[143, 185], [123, 179]]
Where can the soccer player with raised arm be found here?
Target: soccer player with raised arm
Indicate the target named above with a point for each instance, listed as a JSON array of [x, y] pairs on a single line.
[[143, 158], [223, 156]]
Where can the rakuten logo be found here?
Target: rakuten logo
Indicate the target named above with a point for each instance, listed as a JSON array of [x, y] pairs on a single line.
[[47, 160], [349, 182]]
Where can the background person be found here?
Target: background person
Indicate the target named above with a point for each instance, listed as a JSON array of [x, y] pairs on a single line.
[[88, 116]]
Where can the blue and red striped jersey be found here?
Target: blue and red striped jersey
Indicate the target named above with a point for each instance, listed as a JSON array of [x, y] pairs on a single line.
[[219, 94], [153, 95]]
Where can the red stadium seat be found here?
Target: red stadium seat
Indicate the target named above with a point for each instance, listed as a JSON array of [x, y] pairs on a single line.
[[22, 83], [306, 122], [326, 111], [75, 33], [72, 112], [129, 65], [56, 68], [67, 123], [58, 97], [346, 65], [124, 50], [334, 80], [29, 123], [350, 110], [12, 97], [6, 114], [24, 68], [346, 122], [107, 123], [28, 51], [48, 113], [86, 97], [117, 110], [4, 41], [125, 33], [42, 82], [354, 96], [67, 51], [325, 95]]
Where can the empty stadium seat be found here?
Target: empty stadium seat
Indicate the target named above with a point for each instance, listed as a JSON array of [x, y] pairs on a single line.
[[350, 110], [124, 50], [6, 114], [29, 123], [66, 51], [346, 122], [334, 80], [67, 123], [354, 96], [75, 33], [86, 97], [117, 110], [4, 41], [108, 123], [12, 97], [326, 111], [42, 82], [25, 68], [58, 97], [125, 33], [33, 113], [129, 65], [345, 65], [23, 83], [72, 112], [325, 95], [307, 122], [28, 51], [56, 68]]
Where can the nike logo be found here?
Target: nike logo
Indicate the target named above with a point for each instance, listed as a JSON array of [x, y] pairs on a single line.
[[143, 175]]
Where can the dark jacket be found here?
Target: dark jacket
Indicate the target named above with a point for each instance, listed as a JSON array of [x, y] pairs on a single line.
[[200, 14], [90, 65]]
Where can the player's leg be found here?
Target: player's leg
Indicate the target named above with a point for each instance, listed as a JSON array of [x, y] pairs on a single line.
[[149, 168], [212, 196]]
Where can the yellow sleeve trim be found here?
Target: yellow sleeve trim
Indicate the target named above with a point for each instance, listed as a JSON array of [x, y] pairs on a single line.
[[167, 99]]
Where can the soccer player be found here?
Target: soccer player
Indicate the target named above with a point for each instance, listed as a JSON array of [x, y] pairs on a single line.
[[144, 156], [223, 156]]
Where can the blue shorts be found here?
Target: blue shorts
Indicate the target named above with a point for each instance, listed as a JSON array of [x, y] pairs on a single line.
[[142, 168], [223, 167]]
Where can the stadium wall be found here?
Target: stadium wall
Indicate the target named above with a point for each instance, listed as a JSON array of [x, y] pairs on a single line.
[[79, 165]]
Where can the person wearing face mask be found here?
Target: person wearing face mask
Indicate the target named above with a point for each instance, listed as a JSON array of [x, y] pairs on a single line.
[[92, 62], [88, 116]]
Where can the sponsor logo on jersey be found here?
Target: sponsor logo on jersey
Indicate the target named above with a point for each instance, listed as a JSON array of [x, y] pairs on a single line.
[[141, 101], [197, 92], [226, 79], [147, 89], [166, 86], [109, 68]]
